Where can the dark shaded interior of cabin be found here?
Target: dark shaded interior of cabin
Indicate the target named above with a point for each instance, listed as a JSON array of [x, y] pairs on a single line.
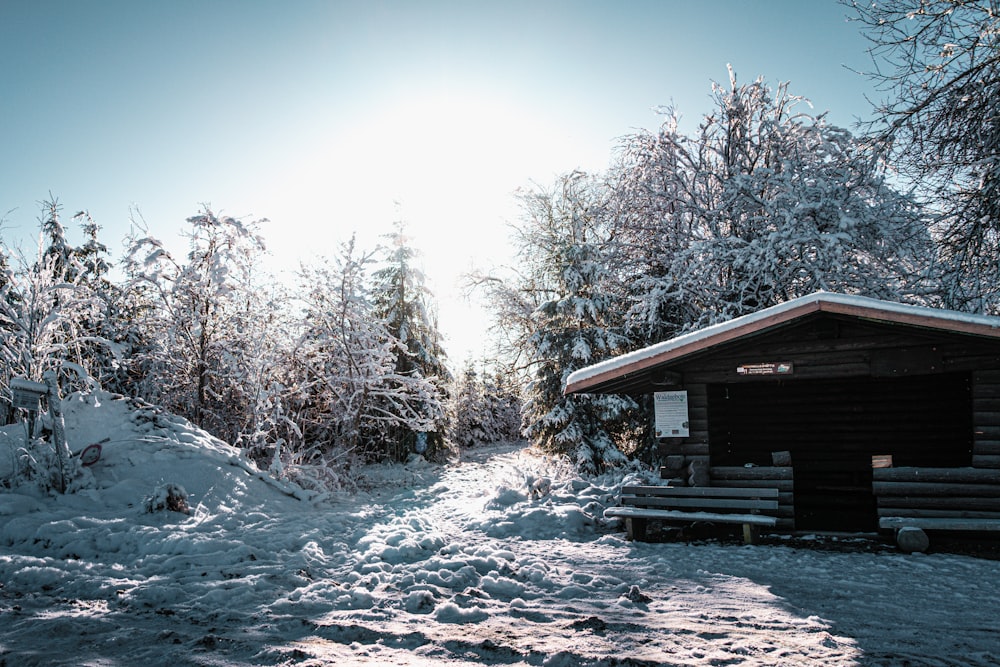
[[833, 428]]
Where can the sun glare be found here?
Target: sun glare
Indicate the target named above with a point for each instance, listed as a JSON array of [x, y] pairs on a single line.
[[447, 163]]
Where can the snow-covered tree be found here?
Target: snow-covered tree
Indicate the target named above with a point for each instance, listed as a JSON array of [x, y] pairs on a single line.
[[938, 63], [403, 302], [483, 408], [761, 205], [502, 403], [45, 307], [563, 241], [352, 397], [107, 328], [469, 423], [201, 312]]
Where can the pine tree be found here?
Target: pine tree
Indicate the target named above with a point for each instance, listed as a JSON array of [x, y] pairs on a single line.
[[563, 240], [469, 423], [402, 300]]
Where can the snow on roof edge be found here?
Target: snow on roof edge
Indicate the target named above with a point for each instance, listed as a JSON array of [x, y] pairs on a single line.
[[816, 298]]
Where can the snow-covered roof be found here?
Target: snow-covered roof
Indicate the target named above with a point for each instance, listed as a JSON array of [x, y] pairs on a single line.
[[830, 302]]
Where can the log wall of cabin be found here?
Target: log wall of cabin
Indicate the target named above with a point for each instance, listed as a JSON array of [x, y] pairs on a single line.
[[986, 419], [842, 355]]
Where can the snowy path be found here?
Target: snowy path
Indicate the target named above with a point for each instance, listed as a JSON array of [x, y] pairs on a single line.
[[491, 561], [525, 590]]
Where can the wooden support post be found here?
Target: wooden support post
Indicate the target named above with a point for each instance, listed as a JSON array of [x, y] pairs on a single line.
[[58, 429], [635, 529]]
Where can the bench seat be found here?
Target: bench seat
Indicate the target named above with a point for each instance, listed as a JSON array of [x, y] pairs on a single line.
[[699, 504], [713, 517]]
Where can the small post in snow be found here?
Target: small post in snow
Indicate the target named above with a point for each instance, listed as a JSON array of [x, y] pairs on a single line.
[[58, 428]]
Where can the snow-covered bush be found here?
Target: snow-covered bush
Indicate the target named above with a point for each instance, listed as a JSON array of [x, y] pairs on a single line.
[[167, 497], [205, 323]]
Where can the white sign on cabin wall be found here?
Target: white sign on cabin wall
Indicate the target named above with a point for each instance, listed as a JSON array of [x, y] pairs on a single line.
[[671, 413]]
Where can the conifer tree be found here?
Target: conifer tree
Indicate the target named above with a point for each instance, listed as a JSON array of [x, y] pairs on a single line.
[[351, 398], [563, 240], [403, 302]]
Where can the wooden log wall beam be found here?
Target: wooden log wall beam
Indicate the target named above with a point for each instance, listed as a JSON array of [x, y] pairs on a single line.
[[937, 514], [929, 502], [935, 489], [949, 475], [751, 473], [986, 461]]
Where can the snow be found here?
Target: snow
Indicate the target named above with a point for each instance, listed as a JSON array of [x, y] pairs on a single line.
[[500, 558], [707, 333]]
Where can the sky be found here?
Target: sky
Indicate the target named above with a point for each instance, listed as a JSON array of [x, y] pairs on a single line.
[[330, 118]]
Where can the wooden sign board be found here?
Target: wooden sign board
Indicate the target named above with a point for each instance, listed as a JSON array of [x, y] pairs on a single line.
[[26, 394], [766, 368], [670, 409]]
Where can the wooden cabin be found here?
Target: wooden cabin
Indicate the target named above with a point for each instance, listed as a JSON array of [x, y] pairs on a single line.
[[856, 409]]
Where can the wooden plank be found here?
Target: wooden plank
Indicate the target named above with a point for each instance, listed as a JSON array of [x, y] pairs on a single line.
[[986, 432], [704, 503], [992, 504], [986, 447], [984, 416], [754, 472], [699, 449], [700, 491], [986, 460], [986, 391], [914, 474], [940, 523], [780, 484], [986, 377], [916, 511], [991, 404], [935, 489], [638, 512]]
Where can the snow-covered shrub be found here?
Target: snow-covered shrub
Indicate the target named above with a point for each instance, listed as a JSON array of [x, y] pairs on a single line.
[[37, 465], [315, 467], [170, 497]]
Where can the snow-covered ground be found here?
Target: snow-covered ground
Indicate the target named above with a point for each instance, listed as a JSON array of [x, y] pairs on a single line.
[[498, 559]]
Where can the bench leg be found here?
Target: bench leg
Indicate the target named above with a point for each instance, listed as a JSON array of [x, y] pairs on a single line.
[[749, 533], [635, 529]]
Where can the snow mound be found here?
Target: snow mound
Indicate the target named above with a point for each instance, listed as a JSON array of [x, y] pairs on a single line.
[[143, 450]]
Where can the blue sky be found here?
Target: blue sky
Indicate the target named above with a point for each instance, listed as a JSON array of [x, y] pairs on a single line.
[[322, 115]]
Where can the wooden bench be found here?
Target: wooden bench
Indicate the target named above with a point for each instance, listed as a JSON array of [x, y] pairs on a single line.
[[953, 499], [692, 504]]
